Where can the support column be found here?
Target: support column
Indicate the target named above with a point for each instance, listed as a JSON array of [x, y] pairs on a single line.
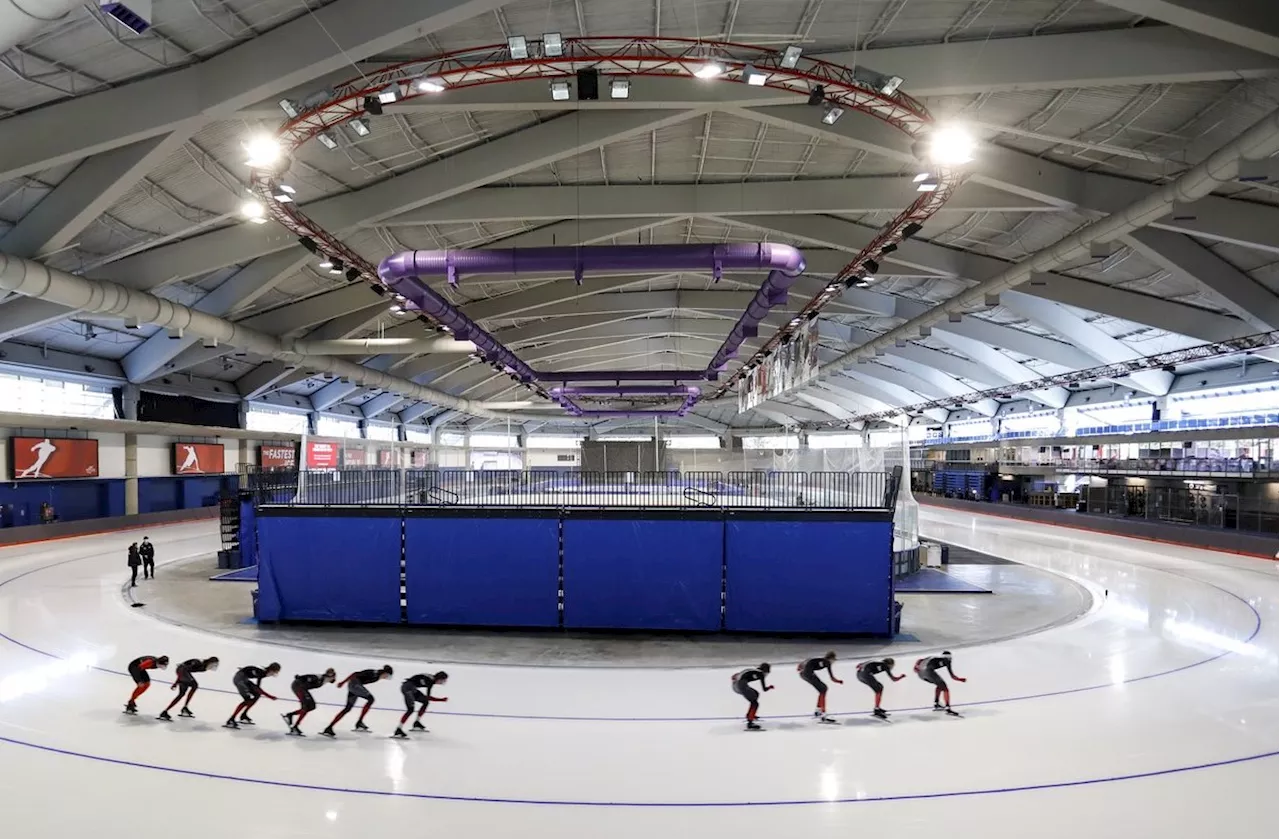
[[129, 402], [131, 470]]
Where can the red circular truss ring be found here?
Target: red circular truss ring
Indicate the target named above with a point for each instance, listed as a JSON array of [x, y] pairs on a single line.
[[613, 56]]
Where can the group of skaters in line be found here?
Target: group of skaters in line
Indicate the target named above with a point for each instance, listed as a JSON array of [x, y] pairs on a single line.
[[416, 691], [926, 668]]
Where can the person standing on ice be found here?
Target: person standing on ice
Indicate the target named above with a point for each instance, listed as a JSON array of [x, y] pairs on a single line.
[[742, 686], [809, 672], [927, 669], [135, 560], [867, 672]]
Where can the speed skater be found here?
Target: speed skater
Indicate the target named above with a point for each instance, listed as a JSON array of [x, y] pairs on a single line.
[[867, 675], [809, 672], [302, 687], [141, 681], [187, 686], [742, 686], [248, 683], [927, 669], [355, 684], [417, 689]]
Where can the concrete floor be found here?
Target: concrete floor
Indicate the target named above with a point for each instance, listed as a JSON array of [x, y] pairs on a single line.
[[1024, 600]]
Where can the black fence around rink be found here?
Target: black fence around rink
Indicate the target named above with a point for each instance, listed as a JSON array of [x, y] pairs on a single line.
[[632, 490]]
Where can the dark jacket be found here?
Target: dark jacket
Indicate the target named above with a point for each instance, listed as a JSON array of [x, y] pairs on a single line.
[[148, 552], [135, 559]]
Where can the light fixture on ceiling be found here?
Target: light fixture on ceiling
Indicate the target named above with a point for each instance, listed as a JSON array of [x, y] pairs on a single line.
[[289, 107], [862, 282], [912, 229], [360, 127], [309, 243], [389, 94], [263, 151], [619, 88], [923, 176], [817, 95], [552, 45], [353, 274], [253, 211], [890, 85], [429, 85], [754, 77], [518, 47], [927, 184], [889, 248], [831, 113], [335, 266], [326, 263], [710, 70], [873, 268], [326, 140], [951, 145], [560, 90], [283, 193], [373, 105], [790, 57]]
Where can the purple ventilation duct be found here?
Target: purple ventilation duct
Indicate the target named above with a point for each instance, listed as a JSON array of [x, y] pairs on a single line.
[[402, 273], [567, 376]]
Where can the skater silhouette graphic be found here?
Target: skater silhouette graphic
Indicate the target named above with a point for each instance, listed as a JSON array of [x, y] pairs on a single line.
[[44, 450], [191, 463]]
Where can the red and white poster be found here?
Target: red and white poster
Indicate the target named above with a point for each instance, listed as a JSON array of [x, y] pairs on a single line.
[[322, 455], [198, 459], [277, 457], [386, 457], [353, 457], [32, 458], [418, 458]]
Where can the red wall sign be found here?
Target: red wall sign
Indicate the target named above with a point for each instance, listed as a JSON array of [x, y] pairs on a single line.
[[386, 457], [418, 458], [32, 458], [322, 455], [353, 457], [277, 457], [198, 459]]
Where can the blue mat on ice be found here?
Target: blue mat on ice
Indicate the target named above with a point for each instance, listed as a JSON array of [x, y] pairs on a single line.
[[933, 581], [240, 575]]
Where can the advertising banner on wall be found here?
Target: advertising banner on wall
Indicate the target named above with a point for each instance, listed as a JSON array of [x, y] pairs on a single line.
[[280, 456], [386, 457], [32, 458], [354, 457], [790, 366], [198, 459], [419, 459], [322, 455]]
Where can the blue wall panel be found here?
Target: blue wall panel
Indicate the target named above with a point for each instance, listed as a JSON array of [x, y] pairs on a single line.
[[324, 568], [808, 576], [478, 571], [662, 574]]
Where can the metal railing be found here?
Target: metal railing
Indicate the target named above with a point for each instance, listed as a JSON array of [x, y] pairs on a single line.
[[423, 487], [1184, 506]]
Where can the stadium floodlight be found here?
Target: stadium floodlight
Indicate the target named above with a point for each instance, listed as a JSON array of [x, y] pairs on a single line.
[[518, 47], [754, 77], [326, 263], [560, 91], [873, 268], [891, 85], [263, 151], [928, 184], [429, 85], [389, 94], [951, 145], [619, 88], [326, 140], [360, 127], [710, 70], [790, 57], [283, 193], [831, 113], [912, 229], [923, 176], [335, 266], [552, 45], [253, 211], [817, 95], [289, 107]]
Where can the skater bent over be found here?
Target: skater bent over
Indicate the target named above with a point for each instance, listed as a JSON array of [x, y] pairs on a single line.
[[417, 689], [248, 682], [742, 686], [867, 675], [187, 686], [927, 669], [356, 690], [141, 681], [302, 687], [809, 672]]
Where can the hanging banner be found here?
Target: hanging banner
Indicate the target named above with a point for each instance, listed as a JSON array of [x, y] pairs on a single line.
[[277, 457], [197, 459], [790, 366], [322, 455], [32, 458]]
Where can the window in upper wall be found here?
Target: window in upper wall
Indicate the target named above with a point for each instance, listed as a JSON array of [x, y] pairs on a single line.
[[494, 441], [553, 441], [693, 441], [327, 426], [624, 438], [835, 441], [777, 441], [381, 431], [258, 418], [54, 397], [453, 438], [417, 434]]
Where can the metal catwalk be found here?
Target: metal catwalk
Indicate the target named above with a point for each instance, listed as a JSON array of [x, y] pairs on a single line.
[[1153, 715]]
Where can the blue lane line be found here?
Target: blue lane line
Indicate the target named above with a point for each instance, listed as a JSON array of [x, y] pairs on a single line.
[[1257, 628], [798, 802]]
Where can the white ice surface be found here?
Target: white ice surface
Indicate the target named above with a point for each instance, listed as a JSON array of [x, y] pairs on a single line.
[[1177, 669]]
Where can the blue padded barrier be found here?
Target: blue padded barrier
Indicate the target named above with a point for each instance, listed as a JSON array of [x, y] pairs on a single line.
[[808, 575], [328, 567], [631, 573], [483, 570]]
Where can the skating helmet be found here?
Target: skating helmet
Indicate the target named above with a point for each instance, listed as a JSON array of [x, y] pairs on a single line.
[[386, 670], [162, 661], [211, 663], [273, 668], [888, 662], [765, 668], [441, 677], [946, 655], [330, 675], [830, 656]]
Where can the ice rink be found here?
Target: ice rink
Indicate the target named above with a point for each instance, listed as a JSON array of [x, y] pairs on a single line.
[[1153, 715]]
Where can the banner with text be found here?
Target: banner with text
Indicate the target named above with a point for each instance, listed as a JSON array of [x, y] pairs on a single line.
[[354, 457], [32, 458], [322, 455], [277, 457]]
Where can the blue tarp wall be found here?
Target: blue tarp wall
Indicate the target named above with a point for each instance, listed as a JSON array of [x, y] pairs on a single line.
[[687, 570], [93, 498]]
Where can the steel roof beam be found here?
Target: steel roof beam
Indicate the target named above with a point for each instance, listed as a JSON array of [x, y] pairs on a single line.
[[1246, 23], [320, 41]]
